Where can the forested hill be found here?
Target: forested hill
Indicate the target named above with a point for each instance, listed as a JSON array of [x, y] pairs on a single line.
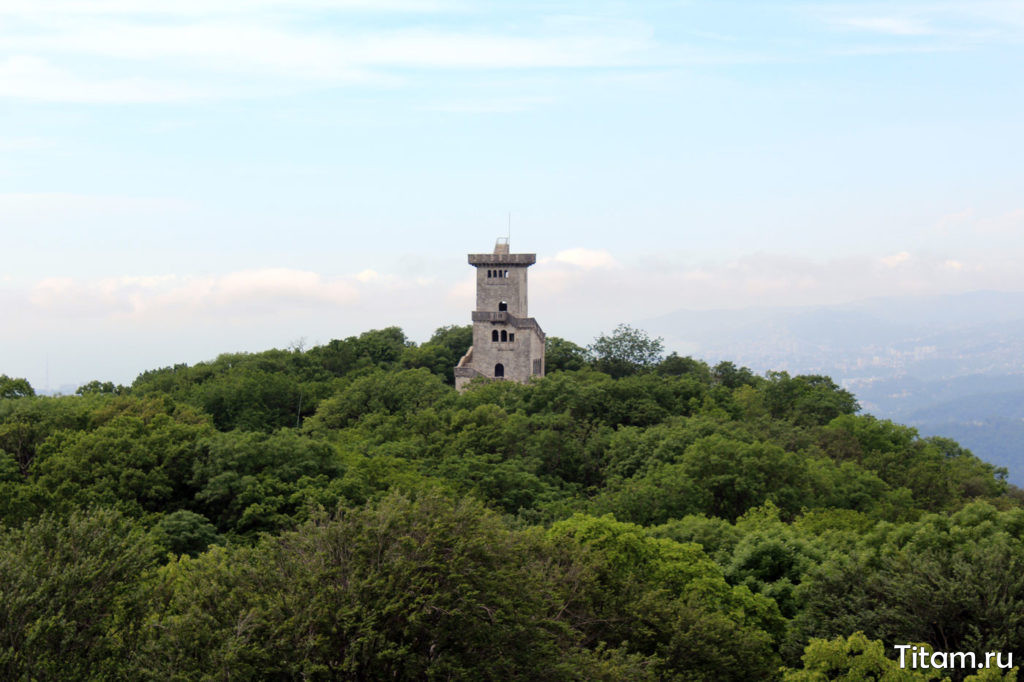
[[342, 513]]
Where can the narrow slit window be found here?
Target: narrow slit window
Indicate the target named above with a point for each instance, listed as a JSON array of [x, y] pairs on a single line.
[[494, 335], [511, 337], [504, 335]]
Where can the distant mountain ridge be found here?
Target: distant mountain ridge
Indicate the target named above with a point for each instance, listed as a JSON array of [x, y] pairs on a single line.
[[949, 365]]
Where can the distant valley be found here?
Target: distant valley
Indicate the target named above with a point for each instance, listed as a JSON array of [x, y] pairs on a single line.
[[948, 365]]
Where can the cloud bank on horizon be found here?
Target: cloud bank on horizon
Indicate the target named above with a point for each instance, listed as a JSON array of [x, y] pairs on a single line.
[[180, 179]]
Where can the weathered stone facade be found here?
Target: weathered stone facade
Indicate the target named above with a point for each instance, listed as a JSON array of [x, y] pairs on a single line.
[[507, 344]]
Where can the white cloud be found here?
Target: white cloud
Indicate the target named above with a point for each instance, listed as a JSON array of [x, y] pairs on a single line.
[[971, 224], [94, 53], [585, 258], [895, 260], [37, 207], [17, 144], [264, 291], [489, 106], [889, 25], [319, 53], [267, 292], [32, 78], [368, 276], [205, 8], [155, 318]]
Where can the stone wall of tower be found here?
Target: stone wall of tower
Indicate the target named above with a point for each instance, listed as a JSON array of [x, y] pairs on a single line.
[[502, 282], [503, 334], [516, 357]]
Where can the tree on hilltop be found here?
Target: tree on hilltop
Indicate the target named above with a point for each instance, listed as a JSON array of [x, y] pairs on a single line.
[[626, 351]]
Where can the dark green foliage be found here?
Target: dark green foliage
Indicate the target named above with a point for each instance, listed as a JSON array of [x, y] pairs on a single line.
[[381, 393], [806, 400], [939, 474], [408, 589], [101, 387], [442, 352], [560, 354], [676, 366], [139, 460], [247, 483], [184, 532], [728, 375], [258, 530], [956, 582], [668, 601], [70, 596], [25, 424], [625, 351], [11, 388]]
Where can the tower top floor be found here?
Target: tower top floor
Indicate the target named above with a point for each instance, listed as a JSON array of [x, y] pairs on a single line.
[[501, 256]]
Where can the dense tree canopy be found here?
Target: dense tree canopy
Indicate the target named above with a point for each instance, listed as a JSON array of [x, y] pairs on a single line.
[[342, 513]]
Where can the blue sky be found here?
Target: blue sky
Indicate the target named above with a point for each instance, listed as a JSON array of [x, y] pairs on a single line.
[[180, 179]]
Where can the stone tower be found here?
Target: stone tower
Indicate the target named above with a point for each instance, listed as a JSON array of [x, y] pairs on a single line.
[[506, 343]]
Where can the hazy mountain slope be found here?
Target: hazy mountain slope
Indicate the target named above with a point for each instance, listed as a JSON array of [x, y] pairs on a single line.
[[949, 365]]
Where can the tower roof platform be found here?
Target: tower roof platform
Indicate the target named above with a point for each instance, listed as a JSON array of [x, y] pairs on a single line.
[[502, 258]]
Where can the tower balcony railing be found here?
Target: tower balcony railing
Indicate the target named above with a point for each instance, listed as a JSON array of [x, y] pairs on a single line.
[[503, 316], [491, 316]]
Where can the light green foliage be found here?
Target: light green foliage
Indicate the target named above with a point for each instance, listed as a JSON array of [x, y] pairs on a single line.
[[859, 659], [716, 536], [772, 557], [853, 659]]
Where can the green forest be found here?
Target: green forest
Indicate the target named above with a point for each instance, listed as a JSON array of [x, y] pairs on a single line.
[[342, 513]]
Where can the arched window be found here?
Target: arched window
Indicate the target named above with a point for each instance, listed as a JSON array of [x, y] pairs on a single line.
[[506, 273], [488, 274], [502, 307], [504, 335], [499, 371], [494, 335]]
